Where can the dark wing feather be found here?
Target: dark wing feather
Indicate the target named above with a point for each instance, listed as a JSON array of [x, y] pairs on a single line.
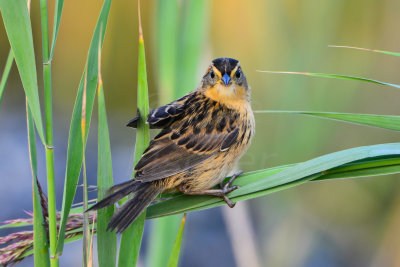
[[196, 136], [163, 116]]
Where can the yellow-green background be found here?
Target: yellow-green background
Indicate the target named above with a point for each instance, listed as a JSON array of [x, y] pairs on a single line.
[[333, 223]]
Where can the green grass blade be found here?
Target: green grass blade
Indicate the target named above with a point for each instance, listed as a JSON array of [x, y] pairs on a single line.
[[19, 31], [75, 142], [6, 73], [173, 260], [15, 224], [106, 240], [74, 163], [363, 169], [191, 42], [263, 182], [131, 239], [163, 232], [389, 122], [367, 49], [41, 244], [56, 25], [167, 33], [334, 76]]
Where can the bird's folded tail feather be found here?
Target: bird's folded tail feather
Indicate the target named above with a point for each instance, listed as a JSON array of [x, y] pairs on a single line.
[[144, 194], [116, 193]]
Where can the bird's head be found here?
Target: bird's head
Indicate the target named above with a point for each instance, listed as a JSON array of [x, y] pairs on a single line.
[[225, 81]]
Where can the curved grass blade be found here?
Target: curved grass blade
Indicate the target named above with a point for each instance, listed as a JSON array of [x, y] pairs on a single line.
[[56, 25], [389, 122], [75, 143], [173, 260], [334, 76], [41, 244], [106, 240], [132, 237], [19, 31], [6, 72], [254, 184], [367, 49], [387, 163]]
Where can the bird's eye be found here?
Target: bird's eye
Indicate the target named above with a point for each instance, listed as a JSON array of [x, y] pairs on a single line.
[[212, 75], [238, 74]]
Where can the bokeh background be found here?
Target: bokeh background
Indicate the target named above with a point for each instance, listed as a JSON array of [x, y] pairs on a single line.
[[330, 223]]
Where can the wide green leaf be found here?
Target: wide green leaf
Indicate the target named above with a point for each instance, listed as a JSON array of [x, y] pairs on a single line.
[[371, 165], [263, 182], [19, 31], [389, 122], [75, 143], [132, 237]]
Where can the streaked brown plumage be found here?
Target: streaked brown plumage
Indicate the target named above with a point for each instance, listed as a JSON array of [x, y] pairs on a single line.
[[203, 136]]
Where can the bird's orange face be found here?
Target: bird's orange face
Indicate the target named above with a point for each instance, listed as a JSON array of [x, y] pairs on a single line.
[[225, 82]]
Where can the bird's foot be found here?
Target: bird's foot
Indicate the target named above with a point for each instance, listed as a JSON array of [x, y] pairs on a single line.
[[225, 189]]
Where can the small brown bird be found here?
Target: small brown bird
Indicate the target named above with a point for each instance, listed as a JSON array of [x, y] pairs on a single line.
[[203, 135]]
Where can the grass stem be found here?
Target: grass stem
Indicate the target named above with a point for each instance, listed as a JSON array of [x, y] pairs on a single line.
[[49, 134], [86, 230]]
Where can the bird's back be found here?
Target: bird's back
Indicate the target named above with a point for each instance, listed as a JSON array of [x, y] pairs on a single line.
[[204, 143]]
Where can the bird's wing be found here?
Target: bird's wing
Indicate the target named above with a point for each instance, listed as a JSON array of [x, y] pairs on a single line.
[[202, 132], [163, 116]]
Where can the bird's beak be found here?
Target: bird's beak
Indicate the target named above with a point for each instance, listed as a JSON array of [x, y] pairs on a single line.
[[226, 79]]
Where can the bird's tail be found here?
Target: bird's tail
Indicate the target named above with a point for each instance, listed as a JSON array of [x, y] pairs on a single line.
[[143, 195]]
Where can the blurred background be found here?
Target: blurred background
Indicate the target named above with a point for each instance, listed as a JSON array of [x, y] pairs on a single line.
[[331, 223]]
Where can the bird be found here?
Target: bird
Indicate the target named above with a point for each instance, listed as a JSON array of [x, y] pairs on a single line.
[[203, 135]]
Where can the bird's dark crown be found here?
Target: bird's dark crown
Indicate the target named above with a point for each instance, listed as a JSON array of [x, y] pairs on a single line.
[[225, 64]]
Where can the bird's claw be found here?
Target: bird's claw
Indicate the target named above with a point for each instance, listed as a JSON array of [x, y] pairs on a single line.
[[227, 188], [222, 192]]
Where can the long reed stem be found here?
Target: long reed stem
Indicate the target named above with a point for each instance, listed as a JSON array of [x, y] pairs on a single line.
[[49, 134]]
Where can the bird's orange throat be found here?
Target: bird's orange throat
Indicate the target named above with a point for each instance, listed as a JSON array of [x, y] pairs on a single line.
[[233, 96]]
